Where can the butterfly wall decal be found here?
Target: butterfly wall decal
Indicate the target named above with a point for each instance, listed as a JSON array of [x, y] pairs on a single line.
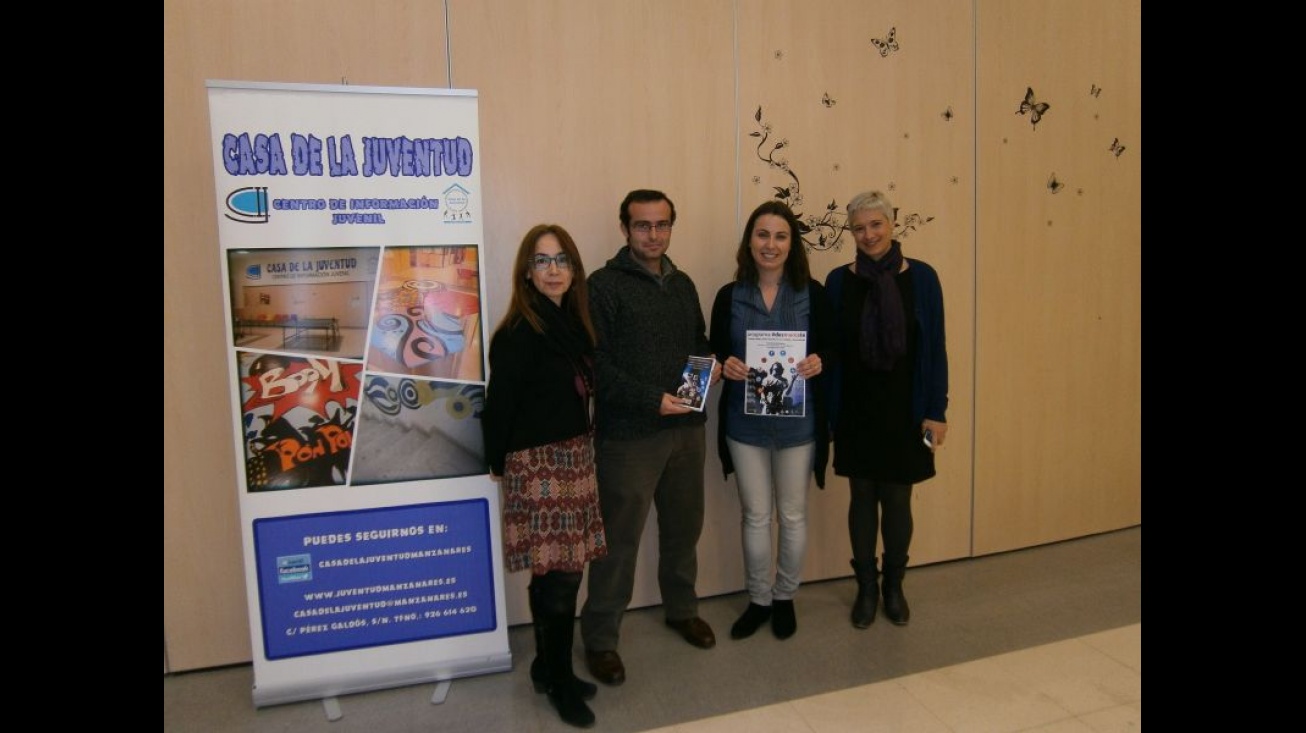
[[1116, 147], [1035, 109], [947, 114], [1054, 185], [828, 101], [1095, 90], [888, 43]]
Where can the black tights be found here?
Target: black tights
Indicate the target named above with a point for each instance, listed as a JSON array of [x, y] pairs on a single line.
[[864, 521]]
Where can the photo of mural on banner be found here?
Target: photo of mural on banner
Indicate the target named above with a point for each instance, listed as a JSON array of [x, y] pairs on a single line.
[[427, 319], [416, 429]]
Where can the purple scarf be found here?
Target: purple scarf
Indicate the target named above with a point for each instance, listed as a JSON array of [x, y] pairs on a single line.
[[884, 326]]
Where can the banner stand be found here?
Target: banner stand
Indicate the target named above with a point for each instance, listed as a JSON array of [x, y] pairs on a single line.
[[349, 225]]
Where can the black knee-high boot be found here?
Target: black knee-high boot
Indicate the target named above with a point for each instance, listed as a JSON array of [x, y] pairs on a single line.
[[539, 674], [537, 623], [895, 603], [556, 597]]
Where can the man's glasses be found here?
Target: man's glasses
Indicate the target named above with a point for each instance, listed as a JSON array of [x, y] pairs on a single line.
[[644, 227], [542, 262]]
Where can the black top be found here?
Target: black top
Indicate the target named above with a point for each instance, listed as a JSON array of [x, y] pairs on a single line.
[[537, 390]]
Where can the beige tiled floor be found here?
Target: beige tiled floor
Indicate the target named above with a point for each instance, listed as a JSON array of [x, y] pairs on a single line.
[[1088, 684]]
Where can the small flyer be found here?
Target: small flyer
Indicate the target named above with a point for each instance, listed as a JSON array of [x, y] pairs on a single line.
[[695, 381], [773, 387]]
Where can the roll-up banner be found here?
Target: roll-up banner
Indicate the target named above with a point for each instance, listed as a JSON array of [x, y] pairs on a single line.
[[350, 237]]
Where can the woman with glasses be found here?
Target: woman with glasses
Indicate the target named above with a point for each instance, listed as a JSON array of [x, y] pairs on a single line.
[[773, 452], [537, 425]]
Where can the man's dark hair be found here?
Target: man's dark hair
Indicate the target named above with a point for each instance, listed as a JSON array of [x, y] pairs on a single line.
[[643, 196]]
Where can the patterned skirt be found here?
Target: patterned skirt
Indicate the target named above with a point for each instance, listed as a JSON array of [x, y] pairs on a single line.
[[551, 518]]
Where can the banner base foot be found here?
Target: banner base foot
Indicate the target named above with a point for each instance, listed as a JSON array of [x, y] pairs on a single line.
[[331, 705], [441, 692]]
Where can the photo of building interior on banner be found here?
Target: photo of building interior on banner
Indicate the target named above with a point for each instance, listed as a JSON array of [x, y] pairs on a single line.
[[312, 310]]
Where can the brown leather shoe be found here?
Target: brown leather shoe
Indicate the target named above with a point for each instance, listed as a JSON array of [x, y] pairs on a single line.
[[606, 667], [695, 631]]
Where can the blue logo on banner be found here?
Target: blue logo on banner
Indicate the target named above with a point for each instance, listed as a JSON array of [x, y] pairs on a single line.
[[294, 568], [456, 201], [254, 272], [248, 205]]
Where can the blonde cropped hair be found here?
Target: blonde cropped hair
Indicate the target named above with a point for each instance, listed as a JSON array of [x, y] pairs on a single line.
[[871, 201]]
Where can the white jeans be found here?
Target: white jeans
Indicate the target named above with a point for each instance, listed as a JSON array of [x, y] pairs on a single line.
[[767, 478]]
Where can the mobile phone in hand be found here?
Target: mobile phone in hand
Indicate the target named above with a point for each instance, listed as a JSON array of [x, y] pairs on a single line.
[[928, 439]]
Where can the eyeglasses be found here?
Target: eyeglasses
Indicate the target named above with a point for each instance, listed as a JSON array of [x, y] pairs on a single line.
[[644, 227], [542, 262]]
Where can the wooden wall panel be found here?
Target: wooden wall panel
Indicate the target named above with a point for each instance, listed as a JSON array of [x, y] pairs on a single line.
[[1059, 316], [580, 102], [375, 42], [849, 119]]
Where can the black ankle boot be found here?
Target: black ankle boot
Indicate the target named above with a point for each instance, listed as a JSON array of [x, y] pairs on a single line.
[[784, 622], [868, 596], [750, 621], [895, 603]]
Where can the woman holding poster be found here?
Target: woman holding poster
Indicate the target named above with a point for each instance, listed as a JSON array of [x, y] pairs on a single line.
[[892, 396], [773, 320], [537, 425]]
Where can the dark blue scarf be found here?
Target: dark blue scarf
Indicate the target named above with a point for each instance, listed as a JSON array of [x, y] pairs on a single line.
[[884, 325]]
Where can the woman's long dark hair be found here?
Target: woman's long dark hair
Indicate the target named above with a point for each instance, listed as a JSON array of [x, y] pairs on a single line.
[[796, 270]]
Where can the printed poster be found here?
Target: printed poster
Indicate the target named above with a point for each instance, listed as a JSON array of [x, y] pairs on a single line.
[[773, 387]]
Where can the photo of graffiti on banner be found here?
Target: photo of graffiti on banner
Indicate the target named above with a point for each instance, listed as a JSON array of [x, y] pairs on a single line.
[[298, 417]]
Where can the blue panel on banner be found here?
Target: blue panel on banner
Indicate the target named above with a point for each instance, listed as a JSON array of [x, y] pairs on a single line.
[[347, 580]]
